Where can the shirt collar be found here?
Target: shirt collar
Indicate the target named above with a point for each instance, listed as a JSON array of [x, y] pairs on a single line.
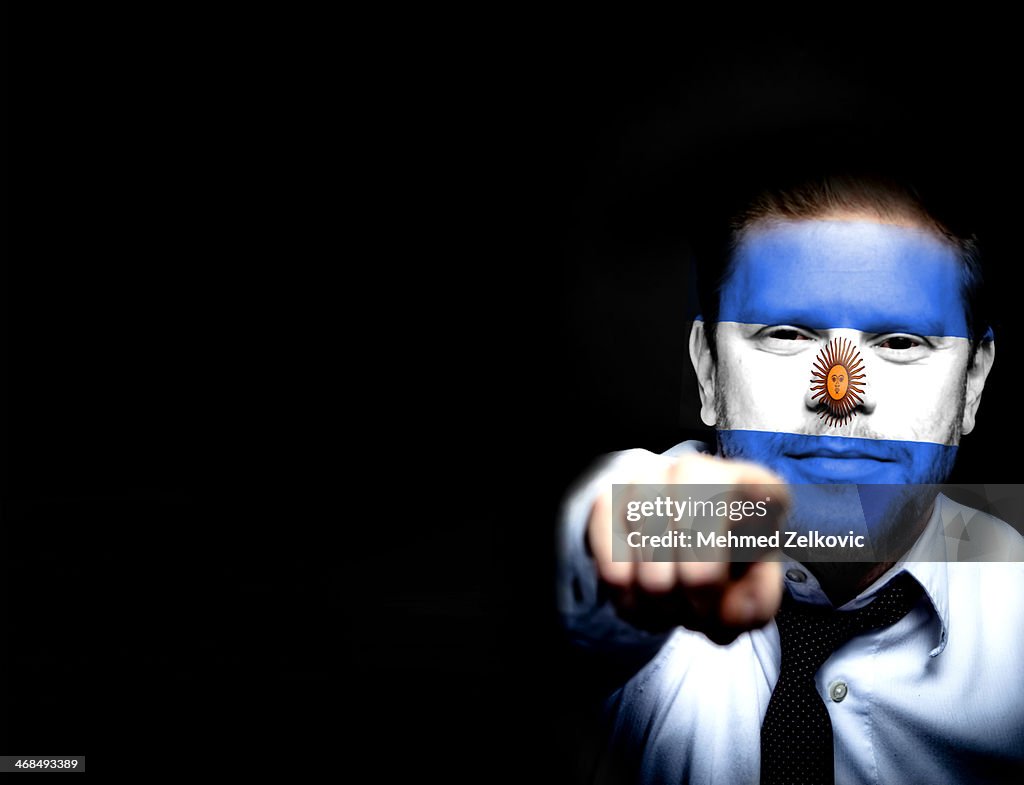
[[925, 561]]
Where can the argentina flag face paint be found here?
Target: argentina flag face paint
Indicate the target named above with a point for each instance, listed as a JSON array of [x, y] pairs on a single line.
[[894, 294]]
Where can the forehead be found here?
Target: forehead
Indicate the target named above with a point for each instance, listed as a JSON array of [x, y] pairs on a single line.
[[858, 274]]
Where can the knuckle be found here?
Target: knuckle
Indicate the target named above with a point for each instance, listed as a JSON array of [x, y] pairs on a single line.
[[655, 577], [615, 573], [699, 575]]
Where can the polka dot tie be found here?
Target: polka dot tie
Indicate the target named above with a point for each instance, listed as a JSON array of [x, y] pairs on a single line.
[[796, 735]]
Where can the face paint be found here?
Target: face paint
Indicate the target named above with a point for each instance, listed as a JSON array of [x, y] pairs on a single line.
[[838, 380], [880, 306], [804, 458], [867, 476], [859, 275], [837, 390]]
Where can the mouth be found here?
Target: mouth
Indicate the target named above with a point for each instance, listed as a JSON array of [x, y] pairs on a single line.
[[833, 465], [840, 455]]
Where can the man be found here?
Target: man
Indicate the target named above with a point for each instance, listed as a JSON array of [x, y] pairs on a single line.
[[933, 694]]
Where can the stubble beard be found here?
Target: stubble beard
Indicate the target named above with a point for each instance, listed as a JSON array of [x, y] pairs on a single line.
[[904, 522]]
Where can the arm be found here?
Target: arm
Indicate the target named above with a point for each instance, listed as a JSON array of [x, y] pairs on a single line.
[[617, 615], [589, 617]]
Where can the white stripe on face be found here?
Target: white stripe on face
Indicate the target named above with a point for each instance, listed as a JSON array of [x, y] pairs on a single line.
[[913, 385]]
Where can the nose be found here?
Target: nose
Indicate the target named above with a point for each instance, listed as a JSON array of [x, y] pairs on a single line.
[[868, 402]]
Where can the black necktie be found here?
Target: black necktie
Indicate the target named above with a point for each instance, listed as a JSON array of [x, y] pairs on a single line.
[[796, 735]]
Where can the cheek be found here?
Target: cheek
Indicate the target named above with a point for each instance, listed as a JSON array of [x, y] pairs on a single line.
[[764, 391], [917, 403]]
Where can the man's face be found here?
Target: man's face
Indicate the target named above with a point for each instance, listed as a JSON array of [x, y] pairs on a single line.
[[895, 292]]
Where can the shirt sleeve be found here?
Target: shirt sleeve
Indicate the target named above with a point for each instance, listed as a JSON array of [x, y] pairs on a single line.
[[588, 617]]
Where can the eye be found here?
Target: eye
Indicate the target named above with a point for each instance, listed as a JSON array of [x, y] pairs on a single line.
[[898, 348], [785, 339], [899, 343], [787, 334]]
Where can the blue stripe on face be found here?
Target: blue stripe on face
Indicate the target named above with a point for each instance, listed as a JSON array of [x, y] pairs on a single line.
[[872, 277], [802, 458]]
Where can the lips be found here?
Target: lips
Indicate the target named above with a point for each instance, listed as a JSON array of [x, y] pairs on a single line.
[[857, 453], [826, 465]]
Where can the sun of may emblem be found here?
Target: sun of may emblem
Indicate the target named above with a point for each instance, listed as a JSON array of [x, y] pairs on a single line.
[[837, 380]]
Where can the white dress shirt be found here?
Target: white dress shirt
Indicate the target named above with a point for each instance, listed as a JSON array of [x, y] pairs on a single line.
[[936, 698]]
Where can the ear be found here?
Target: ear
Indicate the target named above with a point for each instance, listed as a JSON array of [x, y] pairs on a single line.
[[976, 376], [704, 365]]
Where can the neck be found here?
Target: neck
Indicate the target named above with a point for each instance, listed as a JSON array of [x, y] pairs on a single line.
[[842, 581]]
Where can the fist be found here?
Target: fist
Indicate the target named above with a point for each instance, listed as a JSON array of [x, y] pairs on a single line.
[[718, 598]]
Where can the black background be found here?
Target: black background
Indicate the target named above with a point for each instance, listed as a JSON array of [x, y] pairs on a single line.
[[296, 397], [621, 141]]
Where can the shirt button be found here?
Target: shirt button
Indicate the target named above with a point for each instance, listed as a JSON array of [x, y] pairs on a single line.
[[796, 576], [837, 690]]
